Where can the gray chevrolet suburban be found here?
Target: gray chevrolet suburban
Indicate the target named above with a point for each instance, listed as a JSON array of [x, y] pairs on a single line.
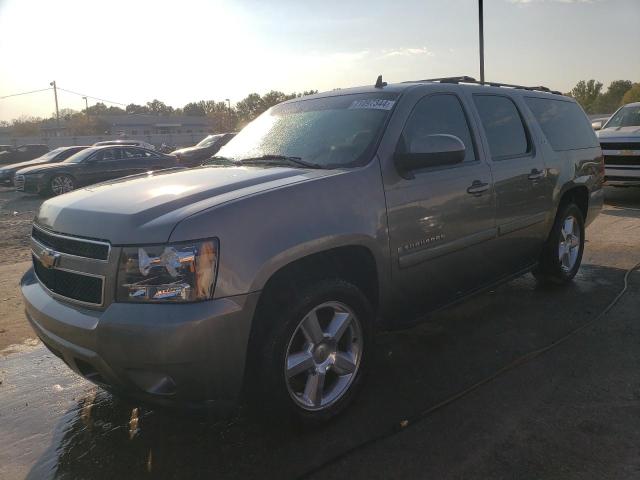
[[263, 275]]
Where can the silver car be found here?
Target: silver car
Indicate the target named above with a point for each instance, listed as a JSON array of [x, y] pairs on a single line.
[[264, 275]]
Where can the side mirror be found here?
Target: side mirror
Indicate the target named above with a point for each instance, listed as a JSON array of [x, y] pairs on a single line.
[[432, 151], [596, 125]]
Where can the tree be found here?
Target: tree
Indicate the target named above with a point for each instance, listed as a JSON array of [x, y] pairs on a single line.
[[159, 108], [133, 108], [632, 95], [586, 93], [608, 102], [250, 107], [195, 109], [25, 126]]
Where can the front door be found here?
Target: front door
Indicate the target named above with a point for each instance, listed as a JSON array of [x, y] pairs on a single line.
[[442, 219]]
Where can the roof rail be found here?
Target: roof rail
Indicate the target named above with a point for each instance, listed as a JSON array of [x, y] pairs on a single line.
[[466, 79]]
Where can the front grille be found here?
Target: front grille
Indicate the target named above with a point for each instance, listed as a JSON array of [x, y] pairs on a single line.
[[620, 146], [18, 182], [633, 160], [71, 246], [75, 286]]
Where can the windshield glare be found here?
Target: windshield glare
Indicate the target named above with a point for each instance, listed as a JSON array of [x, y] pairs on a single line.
[[81, 156], [331, 132], [207, 141], [625, 117]]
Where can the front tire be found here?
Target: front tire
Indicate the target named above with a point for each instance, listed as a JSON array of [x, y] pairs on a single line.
[[60, 184], [562, 254], [315, 350]]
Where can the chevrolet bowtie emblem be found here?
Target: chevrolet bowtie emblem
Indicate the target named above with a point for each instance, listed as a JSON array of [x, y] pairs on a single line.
[[49, 258]]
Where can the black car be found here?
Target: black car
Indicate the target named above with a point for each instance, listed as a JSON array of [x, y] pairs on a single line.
[[193, 156], [54, 156], [91, 165], [22, 153]]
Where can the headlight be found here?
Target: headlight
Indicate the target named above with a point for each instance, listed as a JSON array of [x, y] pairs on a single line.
[[177, 272]]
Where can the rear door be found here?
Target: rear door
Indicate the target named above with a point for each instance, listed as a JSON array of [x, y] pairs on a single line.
[[442, 219], [523, 188]]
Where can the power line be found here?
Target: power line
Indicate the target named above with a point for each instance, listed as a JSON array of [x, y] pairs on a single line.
[[25, 93], [90, 96]]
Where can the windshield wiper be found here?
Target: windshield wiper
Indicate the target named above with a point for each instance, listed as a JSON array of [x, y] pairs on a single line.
[[218, 160], [281, 159]]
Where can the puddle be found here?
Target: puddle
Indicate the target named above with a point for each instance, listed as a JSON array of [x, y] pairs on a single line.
[[54, 424]]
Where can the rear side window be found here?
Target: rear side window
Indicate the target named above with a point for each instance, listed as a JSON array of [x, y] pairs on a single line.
[[438, 114], [503, 126], [564, 123]]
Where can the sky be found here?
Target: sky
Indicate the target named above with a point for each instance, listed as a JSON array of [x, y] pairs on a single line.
[[181, 51]]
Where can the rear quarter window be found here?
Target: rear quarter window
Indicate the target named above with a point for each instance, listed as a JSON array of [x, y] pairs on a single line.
[[564, 123]]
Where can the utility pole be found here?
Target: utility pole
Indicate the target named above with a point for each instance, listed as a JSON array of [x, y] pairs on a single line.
[[228, 104], [86, 104], [481, 29], [55, 95]]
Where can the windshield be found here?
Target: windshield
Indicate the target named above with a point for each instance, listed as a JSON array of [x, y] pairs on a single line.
[[208, 141], [625, 117], [51, 155], [81, 156], [331, 132]]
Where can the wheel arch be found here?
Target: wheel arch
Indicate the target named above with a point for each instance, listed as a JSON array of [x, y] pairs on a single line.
[[578, 194]]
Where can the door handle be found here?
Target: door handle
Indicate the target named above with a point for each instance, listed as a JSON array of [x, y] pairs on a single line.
[[478, 187], [537, 174]]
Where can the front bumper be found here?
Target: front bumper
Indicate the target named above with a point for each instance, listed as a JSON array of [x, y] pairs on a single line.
[[623, 176], [178, 354]]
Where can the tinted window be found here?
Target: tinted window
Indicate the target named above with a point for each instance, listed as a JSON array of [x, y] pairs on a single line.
[[564, 123], [134, 153], [109, 154], [438, 114], [503, 126]]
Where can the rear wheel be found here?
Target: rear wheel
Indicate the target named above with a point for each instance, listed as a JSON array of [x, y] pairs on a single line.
[[561, 257], [60, 184], [313, 356]]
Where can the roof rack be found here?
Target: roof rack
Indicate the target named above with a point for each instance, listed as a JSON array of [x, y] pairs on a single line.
[[465, 79]]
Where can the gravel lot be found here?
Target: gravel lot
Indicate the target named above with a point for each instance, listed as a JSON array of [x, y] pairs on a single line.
[[570, 412]]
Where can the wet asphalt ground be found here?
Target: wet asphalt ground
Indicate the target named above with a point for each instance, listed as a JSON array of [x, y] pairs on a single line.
[[571, 411]]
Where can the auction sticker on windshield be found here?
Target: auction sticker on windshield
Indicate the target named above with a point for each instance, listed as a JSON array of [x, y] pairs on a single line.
[[377, 104]]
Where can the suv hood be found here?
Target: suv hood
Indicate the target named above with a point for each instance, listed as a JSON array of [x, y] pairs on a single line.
[[621, 133], [145, 208]]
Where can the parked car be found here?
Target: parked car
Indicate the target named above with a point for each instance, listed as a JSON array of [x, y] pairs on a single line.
[[92, 165], [6, 148], [597, 123], [324, 220], [134, 143], [193, 156], [54, 156], [620, 142], [22, 153]]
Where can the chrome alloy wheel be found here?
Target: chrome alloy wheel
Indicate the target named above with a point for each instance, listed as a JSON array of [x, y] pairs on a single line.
[[61, 184], [569, 246], [323, 356]]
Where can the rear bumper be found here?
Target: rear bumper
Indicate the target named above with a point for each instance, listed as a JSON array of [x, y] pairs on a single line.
[[166, 354]]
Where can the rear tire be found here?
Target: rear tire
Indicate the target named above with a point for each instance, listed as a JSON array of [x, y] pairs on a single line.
[[60, 184], [311, 356], [562, 254]]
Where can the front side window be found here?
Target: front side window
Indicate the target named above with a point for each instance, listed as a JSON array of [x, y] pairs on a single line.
[[625, 117], [330, 132], [503, 126], [438, 114], [564, 123]]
